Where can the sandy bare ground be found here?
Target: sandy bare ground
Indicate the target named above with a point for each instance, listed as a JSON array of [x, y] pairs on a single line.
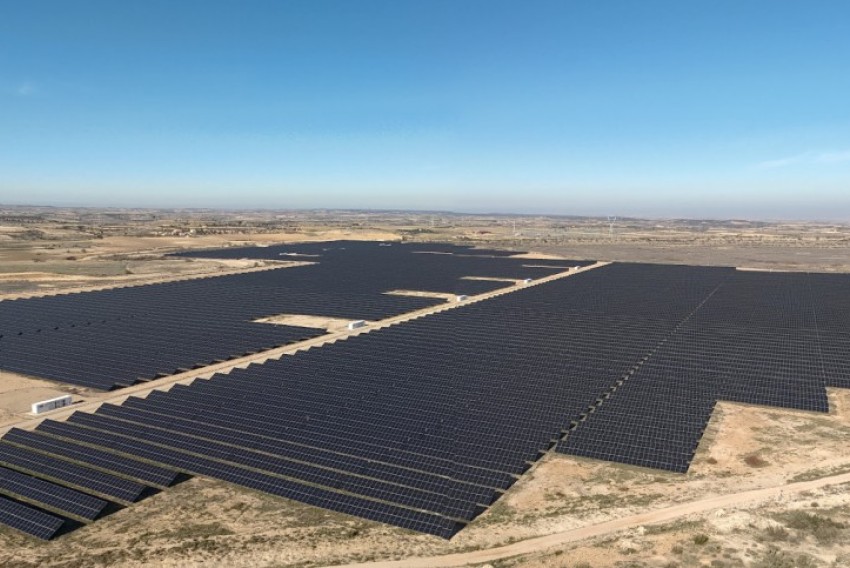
[[422, 294], [538, 256], [299, 320], [116, 244], [33, 276], [75, 284], [802, 257], [18, 393], [489, 278], [742, 499], [34, 267]]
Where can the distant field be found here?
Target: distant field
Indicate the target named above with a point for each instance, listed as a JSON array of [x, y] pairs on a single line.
[[803, 258]]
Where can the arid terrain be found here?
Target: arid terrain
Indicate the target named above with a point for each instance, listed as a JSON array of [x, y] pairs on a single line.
[[741, 504], [43, 249]]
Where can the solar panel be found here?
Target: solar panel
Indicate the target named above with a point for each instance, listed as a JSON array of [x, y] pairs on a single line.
[[63, 471], [28, 520], [141, 471], [49, 495]]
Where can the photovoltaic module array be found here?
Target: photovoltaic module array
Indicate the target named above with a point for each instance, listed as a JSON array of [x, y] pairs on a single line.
[[422, 425], [49, 485], [425, 424], [773, 339], [115, 338], [352, 267]]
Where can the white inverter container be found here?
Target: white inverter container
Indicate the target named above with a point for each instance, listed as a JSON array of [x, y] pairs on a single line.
[[52, 404]]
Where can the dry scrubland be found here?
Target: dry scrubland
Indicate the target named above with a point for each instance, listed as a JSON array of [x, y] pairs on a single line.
[[58, 264], [46, 249], [208, 523]]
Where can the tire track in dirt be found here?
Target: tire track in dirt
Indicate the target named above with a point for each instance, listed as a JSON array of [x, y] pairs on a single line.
[[540, 544]]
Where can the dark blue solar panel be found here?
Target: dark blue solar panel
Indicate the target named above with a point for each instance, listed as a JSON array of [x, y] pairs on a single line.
[[28, 520], [50, 495], [144, 472], [63, 471]]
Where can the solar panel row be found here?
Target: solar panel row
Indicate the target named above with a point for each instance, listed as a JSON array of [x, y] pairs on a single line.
[[29, 520], [95, 459], [40, 472], [50, 495], [66, 472]]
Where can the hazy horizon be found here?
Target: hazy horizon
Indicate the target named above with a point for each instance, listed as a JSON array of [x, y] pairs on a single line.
[[617, 217], [659, 109]]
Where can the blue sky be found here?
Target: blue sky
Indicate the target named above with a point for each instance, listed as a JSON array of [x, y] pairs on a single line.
[[723, 108]]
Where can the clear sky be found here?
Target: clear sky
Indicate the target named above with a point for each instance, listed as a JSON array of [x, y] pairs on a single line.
[[698, 108]]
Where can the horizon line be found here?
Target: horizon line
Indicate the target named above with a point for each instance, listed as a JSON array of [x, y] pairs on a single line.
[[426, 212]]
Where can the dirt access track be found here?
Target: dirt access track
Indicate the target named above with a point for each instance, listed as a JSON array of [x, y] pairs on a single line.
[[540, 544]]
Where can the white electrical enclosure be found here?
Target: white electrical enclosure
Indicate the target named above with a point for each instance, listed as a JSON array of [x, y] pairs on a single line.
[[52, 404]]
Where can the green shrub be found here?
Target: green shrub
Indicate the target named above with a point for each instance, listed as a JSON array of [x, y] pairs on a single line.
[[775, 558], [776, 533], [755, 460], [824, 529]]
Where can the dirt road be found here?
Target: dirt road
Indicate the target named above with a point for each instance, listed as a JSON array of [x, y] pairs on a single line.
[[540, 544]]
